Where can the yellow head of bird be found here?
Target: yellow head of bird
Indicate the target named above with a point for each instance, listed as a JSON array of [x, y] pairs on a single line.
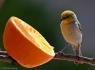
[[68, 17]]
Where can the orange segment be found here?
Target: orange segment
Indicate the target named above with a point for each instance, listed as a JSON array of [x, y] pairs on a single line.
[[25, 44]]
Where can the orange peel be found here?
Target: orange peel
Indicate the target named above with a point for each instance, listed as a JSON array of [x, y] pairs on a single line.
[[25, 44]]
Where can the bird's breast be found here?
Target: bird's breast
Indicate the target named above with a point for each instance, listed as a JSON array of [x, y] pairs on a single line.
[[71, 33]]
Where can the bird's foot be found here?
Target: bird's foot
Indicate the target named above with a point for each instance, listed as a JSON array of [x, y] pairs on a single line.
[[77, 60]]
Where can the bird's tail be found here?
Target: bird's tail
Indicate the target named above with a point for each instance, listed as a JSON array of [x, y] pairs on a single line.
[[77, 53]]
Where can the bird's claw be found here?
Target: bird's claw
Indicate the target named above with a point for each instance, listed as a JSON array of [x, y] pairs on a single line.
[[60, 53], [77, 58]]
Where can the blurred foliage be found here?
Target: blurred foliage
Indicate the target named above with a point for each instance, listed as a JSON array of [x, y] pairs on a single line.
[[37, 15]]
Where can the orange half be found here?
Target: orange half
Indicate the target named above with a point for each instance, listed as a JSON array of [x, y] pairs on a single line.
[[25, 44]]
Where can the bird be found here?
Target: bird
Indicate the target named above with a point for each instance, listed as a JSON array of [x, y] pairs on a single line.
[[72, 32]]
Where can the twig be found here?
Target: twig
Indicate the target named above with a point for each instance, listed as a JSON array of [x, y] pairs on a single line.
[[3, 53], [58, 56], [6, 58], [69, 57]]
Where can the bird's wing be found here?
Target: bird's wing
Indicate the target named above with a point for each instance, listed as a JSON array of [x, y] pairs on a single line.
[[79, 27]]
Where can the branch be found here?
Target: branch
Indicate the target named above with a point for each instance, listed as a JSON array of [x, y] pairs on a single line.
[[6, 58], [58, 56], [69, 57]]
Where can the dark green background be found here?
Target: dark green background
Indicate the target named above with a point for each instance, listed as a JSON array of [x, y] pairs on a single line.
[[44, 15]]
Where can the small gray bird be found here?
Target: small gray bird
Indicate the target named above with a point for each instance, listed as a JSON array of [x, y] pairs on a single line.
[[71, 31]]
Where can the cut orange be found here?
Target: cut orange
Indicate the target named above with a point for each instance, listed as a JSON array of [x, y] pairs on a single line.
[[25, 44]]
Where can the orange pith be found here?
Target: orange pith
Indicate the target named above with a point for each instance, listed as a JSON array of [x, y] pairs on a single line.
[[25, 44]]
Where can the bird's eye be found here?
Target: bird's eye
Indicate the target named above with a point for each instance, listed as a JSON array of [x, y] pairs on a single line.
[[63, 18], [66, 17]]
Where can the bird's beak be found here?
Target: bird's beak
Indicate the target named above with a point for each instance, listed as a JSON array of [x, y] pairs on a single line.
[[62, 19]]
